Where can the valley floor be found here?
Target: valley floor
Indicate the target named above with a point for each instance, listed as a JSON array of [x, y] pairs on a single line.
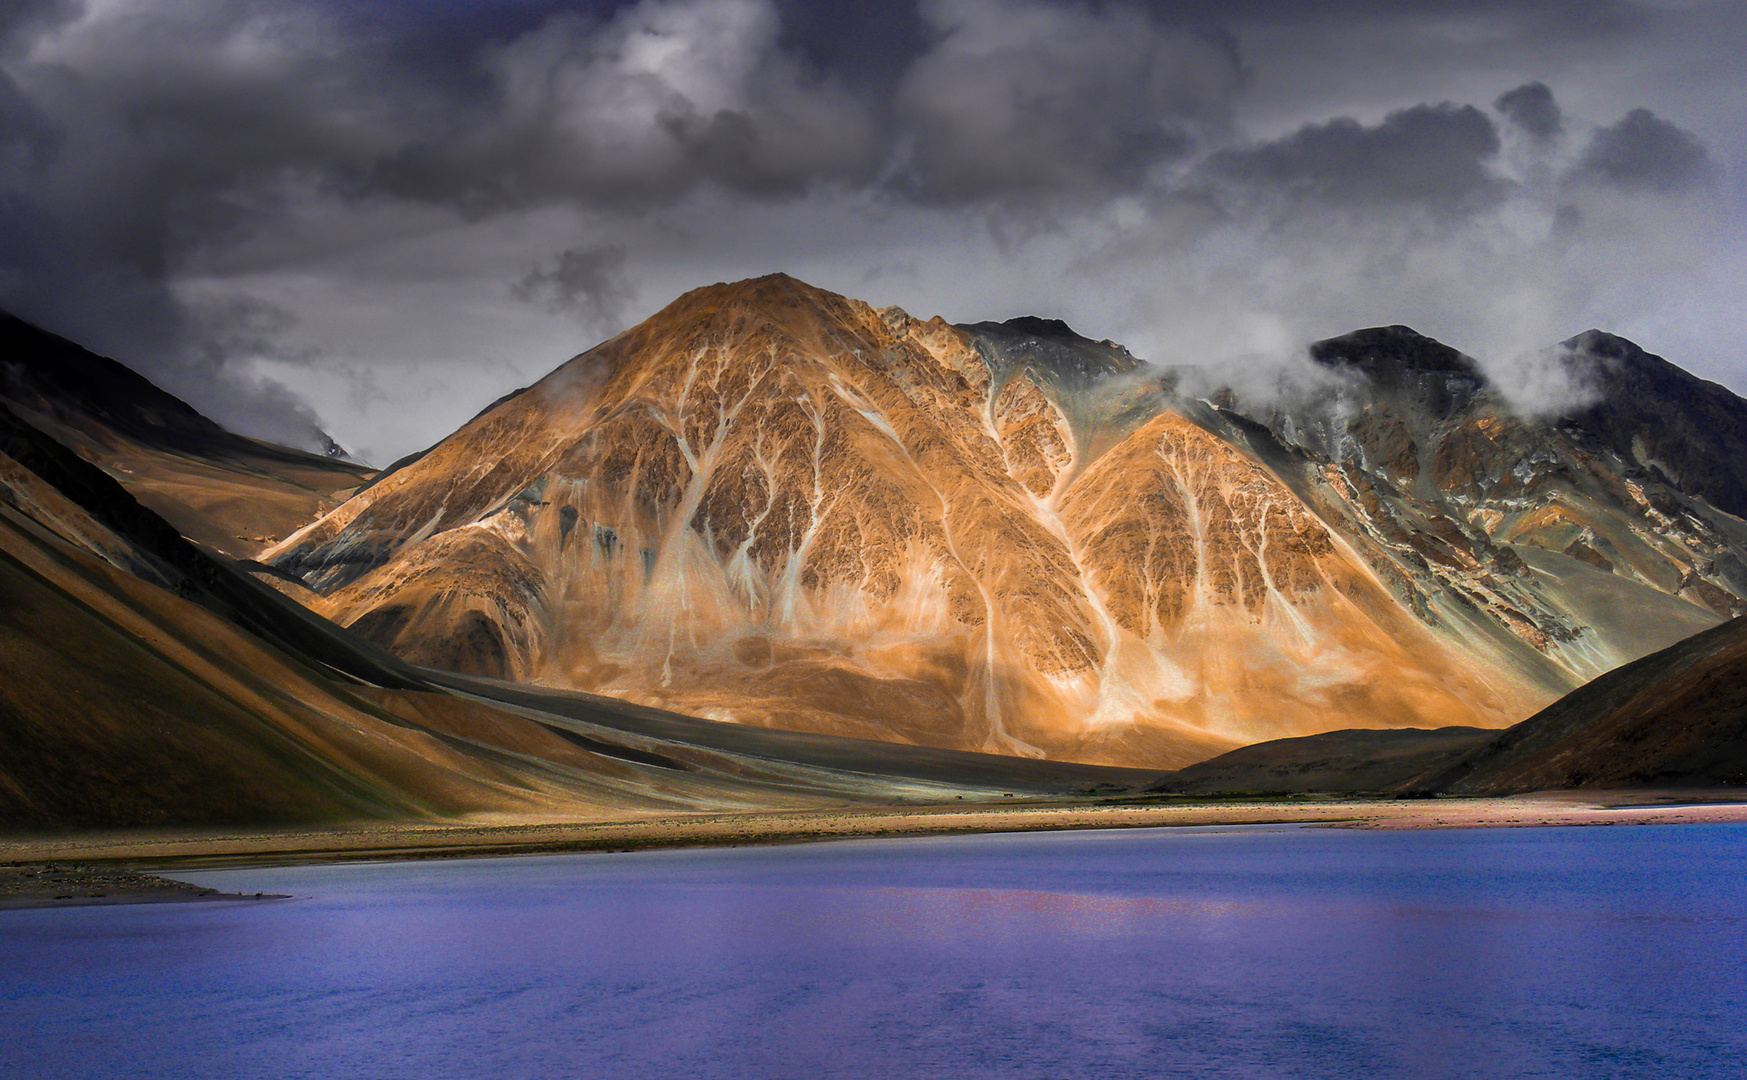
[[372, 841]]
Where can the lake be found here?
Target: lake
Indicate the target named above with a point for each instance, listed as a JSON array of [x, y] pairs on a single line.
[[1204, 952]]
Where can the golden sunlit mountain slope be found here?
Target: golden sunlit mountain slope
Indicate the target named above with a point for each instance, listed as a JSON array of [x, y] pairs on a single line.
[[150, 684], [776, 506]]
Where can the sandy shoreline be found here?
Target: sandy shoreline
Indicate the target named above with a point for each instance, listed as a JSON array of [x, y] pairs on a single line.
[[164, 851]]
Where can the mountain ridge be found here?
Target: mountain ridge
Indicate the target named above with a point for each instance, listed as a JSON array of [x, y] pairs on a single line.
[[154, 683], [1675, 718], [775, 505], [229, 492], [1200, 530]]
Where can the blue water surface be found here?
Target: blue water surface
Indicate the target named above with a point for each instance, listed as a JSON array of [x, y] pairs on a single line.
[[1252, 953]]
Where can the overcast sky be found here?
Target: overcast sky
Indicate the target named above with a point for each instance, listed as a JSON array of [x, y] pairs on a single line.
[[380, 217]]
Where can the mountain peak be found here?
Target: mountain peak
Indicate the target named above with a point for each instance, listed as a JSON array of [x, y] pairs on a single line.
[[1049, 347], [1399, 359], [772, 504], [1032, 324], [1668, 420], [1624, 360], [1384, 353], [1601, 342], [778, 301], [776, 289]]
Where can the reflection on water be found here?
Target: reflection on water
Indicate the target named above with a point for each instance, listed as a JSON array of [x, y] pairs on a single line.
[[1246, 953]]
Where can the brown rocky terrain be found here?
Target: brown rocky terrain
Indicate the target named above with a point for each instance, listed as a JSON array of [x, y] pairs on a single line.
[[779, 507], [127, 702], [1673, 720], [873, 543], [1557, 557], [151, 684], [1676, 718], [232, 494], [1354, 762]]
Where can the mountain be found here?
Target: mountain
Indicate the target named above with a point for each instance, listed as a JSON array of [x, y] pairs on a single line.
[[1684, 432], [776, 506], [1676, 718], [129, 703], [1438, 473], [229, 492], [150, 682], [1351, 762]]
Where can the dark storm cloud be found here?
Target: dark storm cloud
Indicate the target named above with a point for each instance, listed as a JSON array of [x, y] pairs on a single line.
[[1532, 108], [21, 18], [184, 126], [637, 110], [169, 129], [94, 289], [156, 153], [134, 138], [241, 324], [26, 136], [1432, 157], [1644, 152], [588, 283], [1020, 96], [869, 44]]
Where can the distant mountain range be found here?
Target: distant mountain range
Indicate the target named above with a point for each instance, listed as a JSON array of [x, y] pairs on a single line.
[[776, 506], [869, 544]]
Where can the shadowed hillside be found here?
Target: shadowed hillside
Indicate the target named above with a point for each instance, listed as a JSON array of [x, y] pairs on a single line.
[[1677, 718], [231, 493], [150, 684]]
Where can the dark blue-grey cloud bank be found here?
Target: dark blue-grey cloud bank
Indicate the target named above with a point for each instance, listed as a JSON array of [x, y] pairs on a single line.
[[180, 180]]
